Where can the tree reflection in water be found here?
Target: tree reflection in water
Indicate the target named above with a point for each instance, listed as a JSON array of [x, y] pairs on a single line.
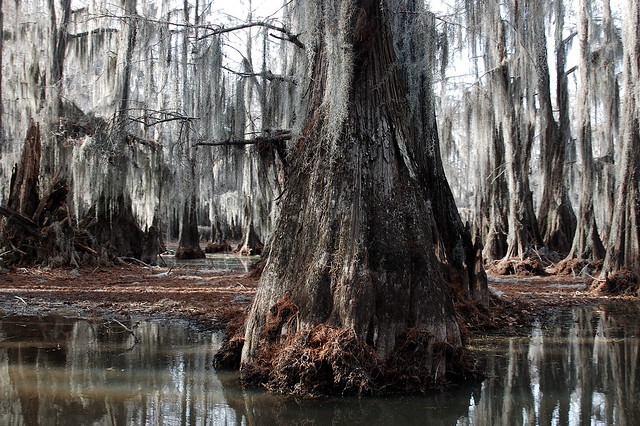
[[579, 367]]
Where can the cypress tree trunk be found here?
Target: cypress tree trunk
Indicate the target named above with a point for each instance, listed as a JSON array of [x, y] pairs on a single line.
[[624, 238], [586, 243], [522, 224], [492, 203], [1, 75], [415, 36], [24, 195], [352, 260], [556, 217], [189, 239]]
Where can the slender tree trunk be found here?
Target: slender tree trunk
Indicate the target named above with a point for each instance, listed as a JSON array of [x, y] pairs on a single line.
[[493, 201], [609, 92], [59, 41], [352, 259], [586, 243], [556, 217], [624, 238], [490, 197], [189, 239], [130, 7]]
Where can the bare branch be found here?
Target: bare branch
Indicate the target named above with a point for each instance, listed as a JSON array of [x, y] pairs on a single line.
[[264, 74], [276, 136], [289, 36], [212, 30], [570, 70], [151, 117]]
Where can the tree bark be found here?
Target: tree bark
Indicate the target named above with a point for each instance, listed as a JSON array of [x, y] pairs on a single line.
[[189, 240], [24, 193], [415, 37], [353, 249], [492, 202], [586, 243], [522, 225], [555, 216], [624, 238], [1, 74], [59, 48]]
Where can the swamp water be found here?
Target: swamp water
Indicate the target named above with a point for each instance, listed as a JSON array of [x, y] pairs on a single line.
[[581, 367], [216, 262]]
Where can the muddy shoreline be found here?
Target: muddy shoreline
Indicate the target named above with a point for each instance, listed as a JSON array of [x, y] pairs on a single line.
[[210, 300]]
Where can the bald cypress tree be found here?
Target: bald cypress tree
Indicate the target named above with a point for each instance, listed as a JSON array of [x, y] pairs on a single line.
[[352, 292]]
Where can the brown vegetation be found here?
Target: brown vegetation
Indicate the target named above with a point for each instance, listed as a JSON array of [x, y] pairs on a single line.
[[620, 283], [211, 299], [223, 247], [330, 360]]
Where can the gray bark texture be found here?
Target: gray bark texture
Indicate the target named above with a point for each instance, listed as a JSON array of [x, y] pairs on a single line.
[[353, 252], [556, 217], [414, 33], [586, 243], [624, 238], [508, 94]]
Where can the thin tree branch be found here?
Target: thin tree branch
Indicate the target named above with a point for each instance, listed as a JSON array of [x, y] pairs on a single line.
[[264, 74], [277, 136], [215, 29], [289, 36]]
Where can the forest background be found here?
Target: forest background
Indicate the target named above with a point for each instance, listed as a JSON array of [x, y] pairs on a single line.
[[174, 120]]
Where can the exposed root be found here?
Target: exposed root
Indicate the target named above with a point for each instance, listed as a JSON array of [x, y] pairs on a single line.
[[419, 364], [258, 269], [189, 253], [497, 313], [283, 314], [322, 360], [329, 360], [620, 283], [228, 356], [578, 267], [223, 247], [516, 266]]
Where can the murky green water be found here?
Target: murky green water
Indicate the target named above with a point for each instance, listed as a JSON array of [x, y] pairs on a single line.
[[582, 369]]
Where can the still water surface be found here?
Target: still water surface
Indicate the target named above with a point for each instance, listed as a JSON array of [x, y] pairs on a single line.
[[216, 262], [580, 368]]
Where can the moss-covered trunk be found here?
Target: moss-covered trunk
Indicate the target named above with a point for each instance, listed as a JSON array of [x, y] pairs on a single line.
[[624, 239], [556, 217], [352, 257], [586, 242]]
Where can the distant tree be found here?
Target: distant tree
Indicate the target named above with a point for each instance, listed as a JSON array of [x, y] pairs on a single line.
[[556, 217], [586, 242]]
